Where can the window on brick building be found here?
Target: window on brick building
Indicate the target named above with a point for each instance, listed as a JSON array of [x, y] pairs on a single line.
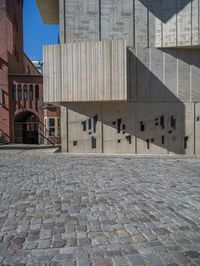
[[31, 92], [37, 92], [25, 92], [17, 55], [14, 92], [19, 92], [1, 97], [52, 128]]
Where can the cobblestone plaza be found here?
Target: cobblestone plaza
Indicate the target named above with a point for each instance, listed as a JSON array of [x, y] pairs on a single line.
[[59, 209]]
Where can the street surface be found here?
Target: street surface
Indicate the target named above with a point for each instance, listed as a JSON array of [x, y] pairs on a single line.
[[59, 209]]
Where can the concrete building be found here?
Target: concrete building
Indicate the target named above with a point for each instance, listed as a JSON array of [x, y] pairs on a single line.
[[126, 75], [22, 116]]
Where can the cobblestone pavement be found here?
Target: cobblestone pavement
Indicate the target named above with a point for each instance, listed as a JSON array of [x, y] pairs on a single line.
[[59, 209]]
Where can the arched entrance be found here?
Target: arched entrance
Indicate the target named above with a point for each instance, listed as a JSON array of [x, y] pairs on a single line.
[[26, 128]]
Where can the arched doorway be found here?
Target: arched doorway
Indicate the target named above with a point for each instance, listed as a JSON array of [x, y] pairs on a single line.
[[26, 128]]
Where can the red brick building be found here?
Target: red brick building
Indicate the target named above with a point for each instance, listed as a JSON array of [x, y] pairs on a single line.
[[23, 116]]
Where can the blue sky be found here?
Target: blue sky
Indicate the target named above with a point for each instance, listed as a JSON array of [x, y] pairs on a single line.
[[36, 33]]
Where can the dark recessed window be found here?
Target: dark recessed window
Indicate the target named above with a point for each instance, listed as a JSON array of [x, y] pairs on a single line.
[[162, 122], [148, 144], [186, 142], [173, 122], [37, 92], [84, 125], [31, 92], [129, 139], [163, 140], [142, 126], [89, 124], [19, 92], [14, 92], [51, 122], [119, 121], [95, 119], [25, 92], [94, 142], [75, 142]]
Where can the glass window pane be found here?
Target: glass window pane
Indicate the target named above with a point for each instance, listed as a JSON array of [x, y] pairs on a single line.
[[31, 92], [25, 92], [19, 92], [36, 92], [14, 92], [51, 122]]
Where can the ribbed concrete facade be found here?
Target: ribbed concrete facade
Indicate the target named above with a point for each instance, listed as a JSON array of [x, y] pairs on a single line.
[[162, 111], [93, 71]]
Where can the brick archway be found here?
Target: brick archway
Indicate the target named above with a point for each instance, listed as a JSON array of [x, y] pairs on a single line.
[[26, 128]]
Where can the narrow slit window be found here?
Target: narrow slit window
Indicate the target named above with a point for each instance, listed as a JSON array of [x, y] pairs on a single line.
[[84, 125], [94, 142], [173, 122], [162, 122], [186, 142], [119, 121], [95, 119], [129, 139], [142, 126], [89, 124], [163, 140], [148, 144]]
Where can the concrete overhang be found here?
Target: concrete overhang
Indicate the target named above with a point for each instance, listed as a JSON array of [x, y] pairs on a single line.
[[49, 10]]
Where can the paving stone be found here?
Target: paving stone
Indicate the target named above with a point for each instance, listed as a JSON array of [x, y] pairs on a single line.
[[44, 243], [161, 231], [108, 210], [179, 258], [102, 262], [193, 254], [136, 259], [84, 241], [58, 243], [30, 245], [121, 260]]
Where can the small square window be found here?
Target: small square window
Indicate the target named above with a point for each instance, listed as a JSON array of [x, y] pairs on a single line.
[[75, 142]]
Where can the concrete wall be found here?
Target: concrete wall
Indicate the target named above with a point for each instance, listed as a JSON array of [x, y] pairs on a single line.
[[85, 71], [164, 75], [134, 128], [143, 23], [162, 114], [166, 23]]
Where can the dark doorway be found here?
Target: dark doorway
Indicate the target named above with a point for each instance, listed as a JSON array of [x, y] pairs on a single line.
[[26, 128]]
